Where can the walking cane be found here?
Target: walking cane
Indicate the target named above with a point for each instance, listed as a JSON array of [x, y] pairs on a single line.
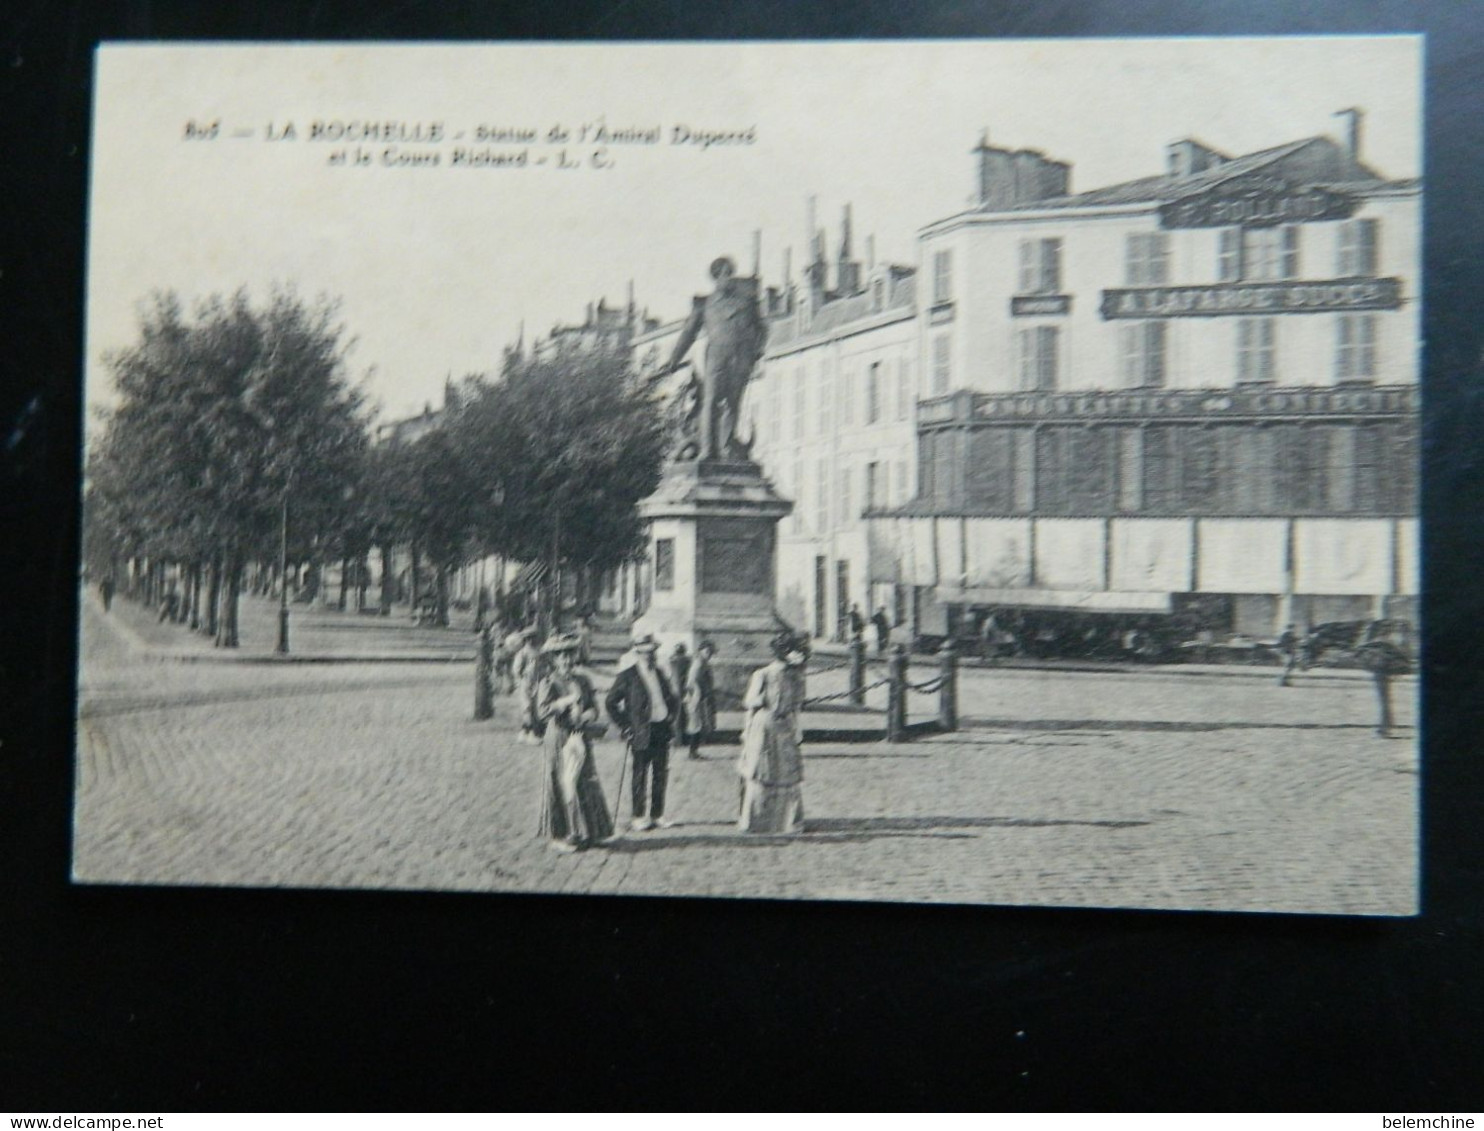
[[628, 751]]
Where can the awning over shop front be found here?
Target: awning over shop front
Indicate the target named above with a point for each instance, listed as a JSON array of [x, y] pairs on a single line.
[[1071, 601]]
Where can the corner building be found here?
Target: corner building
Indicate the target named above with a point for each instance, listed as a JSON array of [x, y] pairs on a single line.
[[1194, 393]]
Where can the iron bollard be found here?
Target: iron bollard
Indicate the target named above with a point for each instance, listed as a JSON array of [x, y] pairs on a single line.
[[896, 695], [948, 691], [484, 665], [857, 671]]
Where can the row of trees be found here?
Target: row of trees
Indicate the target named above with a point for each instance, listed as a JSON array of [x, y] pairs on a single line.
[[238, 425]]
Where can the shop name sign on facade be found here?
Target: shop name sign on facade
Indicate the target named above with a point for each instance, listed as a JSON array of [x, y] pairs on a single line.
[[1318, 297], [1256, 202], [1140, 406]]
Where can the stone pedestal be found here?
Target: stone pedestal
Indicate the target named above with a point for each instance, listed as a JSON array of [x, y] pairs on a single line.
[[713, 560]]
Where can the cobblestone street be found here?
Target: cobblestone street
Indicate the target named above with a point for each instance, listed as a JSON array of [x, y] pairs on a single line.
[[1130, 789]]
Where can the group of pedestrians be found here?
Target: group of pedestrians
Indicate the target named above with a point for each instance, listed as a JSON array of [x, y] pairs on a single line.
[[559, 709]]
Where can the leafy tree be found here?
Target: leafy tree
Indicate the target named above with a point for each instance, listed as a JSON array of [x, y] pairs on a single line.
[[226, 418], [556, 453]]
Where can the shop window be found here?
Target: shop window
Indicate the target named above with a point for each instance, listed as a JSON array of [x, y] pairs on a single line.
[[1256, 350], [1040, 267], [1147, 263]]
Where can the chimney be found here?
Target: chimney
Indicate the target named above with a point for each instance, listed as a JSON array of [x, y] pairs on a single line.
[[1352, 116], [757, 253], [788, 266], [870, 253]]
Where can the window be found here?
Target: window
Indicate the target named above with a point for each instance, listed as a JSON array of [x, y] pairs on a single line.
[[822, 497], [1256, 350], [903, 492], [942, 277], [826, 387], [847, 397], [796, 492], [1357, 249], [1229, 255], [1270, 253], [873, 393], [942, 363], [1142, 349], [664, 564], [1355, 360], [878, 295], [775, 399], [1037, 346], [1040, 267], [847, 517], [904, 389], [1148, 263], [874, 496], [799, 411]]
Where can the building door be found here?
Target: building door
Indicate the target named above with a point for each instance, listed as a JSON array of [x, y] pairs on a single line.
[[821, 596], [842, 598]]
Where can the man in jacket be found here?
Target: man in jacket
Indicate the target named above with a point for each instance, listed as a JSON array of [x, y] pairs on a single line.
[[644, 707]]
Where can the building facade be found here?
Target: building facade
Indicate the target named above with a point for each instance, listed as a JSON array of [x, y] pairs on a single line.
[[1192, 391]]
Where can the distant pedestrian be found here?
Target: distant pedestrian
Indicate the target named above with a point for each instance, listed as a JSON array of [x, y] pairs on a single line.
[[574, 812], [772, 761], [1288, 651], [700, 699], [509, 645], [883, 630], [643, 705], [857, 622], [525, 669], [105, 590]]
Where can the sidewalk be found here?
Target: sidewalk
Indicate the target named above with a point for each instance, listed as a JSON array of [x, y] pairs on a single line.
[[316, 636]]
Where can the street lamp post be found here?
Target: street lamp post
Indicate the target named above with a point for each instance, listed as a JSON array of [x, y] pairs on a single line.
[[283, 577]]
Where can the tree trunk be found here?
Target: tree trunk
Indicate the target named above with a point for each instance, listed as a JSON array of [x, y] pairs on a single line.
[[388, 579], [226, 633], [441, 583], [344, 580], [213, 596], [194, 591], [416, 593]]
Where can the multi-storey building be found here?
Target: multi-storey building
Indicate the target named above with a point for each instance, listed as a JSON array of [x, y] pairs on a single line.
[[831, 412], [1193, 390]]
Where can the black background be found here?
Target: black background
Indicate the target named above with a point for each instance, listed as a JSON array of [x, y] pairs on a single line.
[[114, 999]]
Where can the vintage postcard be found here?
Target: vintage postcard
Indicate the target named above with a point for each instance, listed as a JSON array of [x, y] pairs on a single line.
[[968, 472]]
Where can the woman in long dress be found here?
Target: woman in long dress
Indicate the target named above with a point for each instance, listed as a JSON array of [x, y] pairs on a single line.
[[574, 812], [772, 763], [700, 699]]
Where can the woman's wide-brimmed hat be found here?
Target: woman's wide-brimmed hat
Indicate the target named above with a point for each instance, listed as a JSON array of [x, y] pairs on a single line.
[[786, 642]]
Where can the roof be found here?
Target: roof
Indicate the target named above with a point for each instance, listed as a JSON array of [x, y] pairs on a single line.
[[1332, 166]]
